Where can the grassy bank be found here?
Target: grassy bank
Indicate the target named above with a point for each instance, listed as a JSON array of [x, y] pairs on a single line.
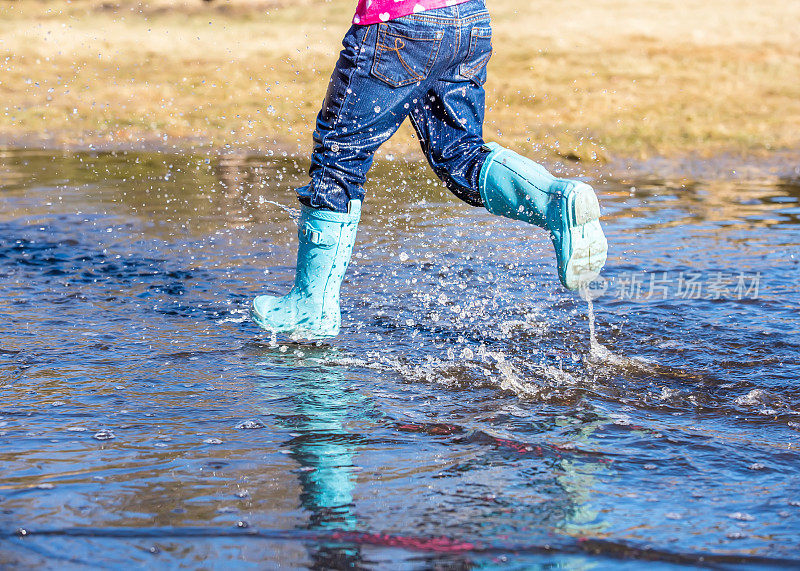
[[591, 81]]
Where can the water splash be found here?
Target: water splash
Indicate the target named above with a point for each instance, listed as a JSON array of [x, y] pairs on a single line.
[[594, 345], [599, 353], [293, 212], [596, 350]]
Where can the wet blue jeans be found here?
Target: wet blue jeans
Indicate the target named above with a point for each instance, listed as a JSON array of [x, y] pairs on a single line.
[[430, 67]]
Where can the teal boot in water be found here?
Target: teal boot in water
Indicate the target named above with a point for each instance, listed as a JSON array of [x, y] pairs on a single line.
[[311, 309], [518, 188]]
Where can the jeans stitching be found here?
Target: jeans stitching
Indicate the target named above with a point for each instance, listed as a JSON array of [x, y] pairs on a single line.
[[471, 72], [416, 76], [449, 20], [480, 65], [340, 112], [386, 32], [471, 196], [458, 40], [396, 49], [332, 189]]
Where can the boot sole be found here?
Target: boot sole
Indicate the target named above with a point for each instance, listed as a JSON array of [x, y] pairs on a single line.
[[589, 244]]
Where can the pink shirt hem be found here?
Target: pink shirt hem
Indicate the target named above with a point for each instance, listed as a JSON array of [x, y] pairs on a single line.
[[375, 11]]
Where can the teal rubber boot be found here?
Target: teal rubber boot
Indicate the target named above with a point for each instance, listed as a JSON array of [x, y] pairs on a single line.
[[518, 188], [311, 309]]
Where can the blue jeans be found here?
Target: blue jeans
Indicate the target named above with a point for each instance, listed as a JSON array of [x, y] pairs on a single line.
[[430, 67]]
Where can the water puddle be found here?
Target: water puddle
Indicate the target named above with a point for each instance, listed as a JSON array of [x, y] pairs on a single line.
[[460, 419]]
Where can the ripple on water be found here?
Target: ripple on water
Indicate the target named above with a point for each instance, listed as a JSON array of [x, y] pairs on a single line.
[[469, 401]]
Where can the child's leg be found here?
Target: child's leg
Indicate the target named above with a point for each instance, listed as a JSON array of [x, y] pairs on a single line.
[[379, 74], [449, 118], [449, 123], [362, 110]]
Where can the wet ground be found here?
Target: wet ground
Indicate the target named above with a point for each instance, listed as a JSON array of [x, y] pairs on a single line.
[[461, 420]]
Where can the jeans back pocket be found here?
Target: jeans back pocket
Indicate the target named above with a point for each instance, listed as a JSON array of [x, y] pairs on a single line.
[[405, 54], [480, 51]]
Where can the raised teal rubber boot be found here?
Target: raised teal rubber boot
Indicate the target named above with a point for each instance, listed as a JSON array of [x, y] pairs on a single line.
[[518, 188], [311, 309]]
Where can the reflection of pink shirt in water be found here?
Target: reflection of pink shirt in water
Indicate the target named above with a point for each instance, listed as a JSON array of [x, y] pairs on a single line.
[[374, 11]]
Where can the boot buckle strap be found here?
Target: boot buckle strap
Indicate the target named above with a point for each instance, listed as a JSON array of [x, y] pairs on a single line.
[[312, 235], [315, 237]]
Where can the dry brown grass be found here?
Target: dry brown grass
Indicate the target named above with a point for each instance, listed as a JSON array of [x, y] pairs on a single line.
[[585, 80]]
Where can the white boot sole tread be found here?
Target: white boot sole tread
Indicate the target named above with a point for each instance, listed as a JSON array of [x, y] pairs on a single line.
[[589, 244]]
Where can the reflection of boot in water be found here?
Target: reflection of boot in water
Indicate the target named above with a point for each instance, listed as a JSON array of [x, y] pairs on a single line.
[[324, 450]]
